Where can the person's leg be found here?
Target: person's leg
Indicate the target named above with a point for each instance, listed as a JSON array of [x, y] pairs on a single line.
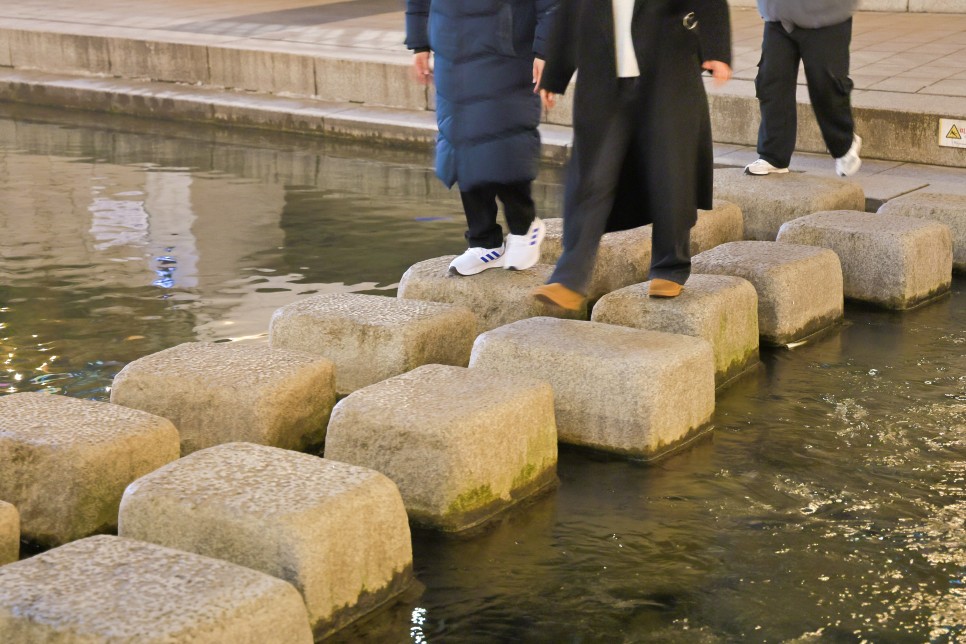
[[825, 53], [775, 87], [518, 206], [480, 207]]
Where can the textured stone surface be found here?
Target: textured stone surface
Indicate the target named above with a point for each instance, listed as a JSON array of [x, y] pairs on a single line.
[[337, 532], [109, 589], [768, 202], [624, 257], [9, 533], [894, 262], [615, 389], [461, 444], [64, 462], [947, 209], [497, 296], [371, 337], [719, 308], [222, 392], [799, 287]]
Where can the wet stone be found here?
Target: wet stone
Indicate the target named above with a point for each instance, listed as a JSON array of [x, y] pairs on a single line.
[[9, 533], [719, 308], [337, 532], [946, 209], [799, 287], [890, 261], [722, 224], [496, 296], [64, 462], [370, 337], [217, 393], [767, 202], [616, 389], [461, 444], [110, 589]]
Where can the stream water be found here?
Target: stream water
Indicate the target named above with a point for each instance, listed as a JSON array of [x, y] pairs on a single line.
[[828, 504]]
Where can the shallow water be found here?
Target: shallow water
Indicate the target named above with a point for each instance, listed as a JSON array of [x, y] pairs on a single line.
[[828, 505]]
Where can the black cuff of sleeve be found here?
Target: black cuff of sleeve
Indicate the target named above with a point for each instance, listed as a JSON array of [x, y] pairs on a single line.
[[420, 50]]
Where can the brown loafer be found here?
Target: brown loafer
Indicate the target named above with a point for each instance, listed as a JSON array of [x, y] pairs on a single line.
[[664, 288], [559, 295]]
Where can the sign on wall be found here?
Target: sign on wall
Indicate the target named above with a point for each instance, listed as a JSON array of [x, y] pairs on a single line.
[[952, 133]]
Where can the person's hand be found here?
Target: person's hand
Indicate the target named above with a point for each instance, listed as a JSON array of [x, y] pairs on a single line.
[[421, 71], [549, 99], [721, 72], [538, 65]]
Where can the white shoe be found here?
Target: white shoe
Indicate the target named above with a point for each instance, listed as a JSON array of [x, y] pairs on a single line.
[[523, 251], [476, 260], [762, 167], [849, 164]]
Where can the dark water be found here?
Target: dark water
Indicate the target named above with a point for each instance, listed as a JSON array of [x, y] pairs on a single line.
[[828, 505]]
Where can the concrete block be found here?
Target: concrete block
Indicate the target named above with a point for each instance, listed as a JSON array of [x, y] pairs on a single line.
[[497, 296], [59, 52], [159, 61], [262, 71], [937, 6], [890, 261], [799, 287], [337, 532], [9, 533], [222, 392], [371, 337], [768, 202], [624, 257], [371, 82], [64, 462], [945, 208], [109, 589], [719, 308], [433, 432], [722, 224], [6, 59], [616, 389]]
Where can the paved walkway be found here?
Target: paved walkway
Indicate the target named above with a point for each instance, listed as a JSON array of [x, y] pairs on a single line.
[[902, 59]]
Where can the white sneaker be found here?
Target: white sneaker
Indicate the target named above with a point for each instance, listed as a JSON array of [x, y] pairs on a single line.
[[849, 164], [476, 260], [523, 251], [762, 167]]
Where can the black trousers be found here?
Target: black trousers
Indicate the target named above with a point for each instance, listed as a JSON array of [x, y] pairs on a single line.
[[480, 207], [589, 200], [825, 54]]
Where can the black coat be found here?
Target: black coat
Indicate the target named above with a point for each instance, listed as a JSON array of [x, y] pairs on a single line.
[[669, 56]]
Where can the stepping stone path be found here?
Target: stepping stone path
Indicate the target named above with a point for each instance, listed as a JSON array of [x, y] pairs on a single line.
[[624, 257], [372, 337], [461, 444], [64, 462], [497, 296], [799, 287], [619, 390], [769, 201], [947, 209], [337, 532], [893, 262], [109, 589], [9, 533], [221, 392], [719, 308]]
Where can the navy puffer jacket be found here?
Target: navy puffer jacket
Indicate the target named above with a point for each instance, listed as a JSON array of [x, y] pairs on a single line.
[[485, 106]]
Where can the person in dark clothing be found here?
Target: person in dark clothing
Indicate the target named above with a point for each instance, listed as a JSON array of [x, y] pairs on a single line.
[[817, 33], [642, 133], [488, 57]]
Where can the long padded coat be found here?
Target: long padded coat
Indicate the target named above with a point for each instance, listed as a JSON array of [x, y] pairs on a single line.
[[485, 105], [669, 55]]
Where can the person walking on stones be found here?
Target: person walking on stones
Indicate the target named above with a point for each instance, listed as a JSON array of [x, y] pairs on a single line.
[[817, 33], [488, 55], [642, 132]]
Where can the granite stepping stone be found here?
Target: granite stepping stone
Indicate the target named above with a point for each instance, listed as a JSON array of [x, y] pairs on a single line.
[[944, 208]]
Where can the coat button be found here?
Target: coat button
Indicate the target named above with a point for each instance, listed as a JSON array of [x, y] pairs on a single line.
[[690, 21]]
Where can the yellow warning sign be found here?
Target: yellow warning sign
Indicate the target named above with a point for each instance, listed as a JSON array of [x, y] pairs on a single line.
[[952, 133]]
